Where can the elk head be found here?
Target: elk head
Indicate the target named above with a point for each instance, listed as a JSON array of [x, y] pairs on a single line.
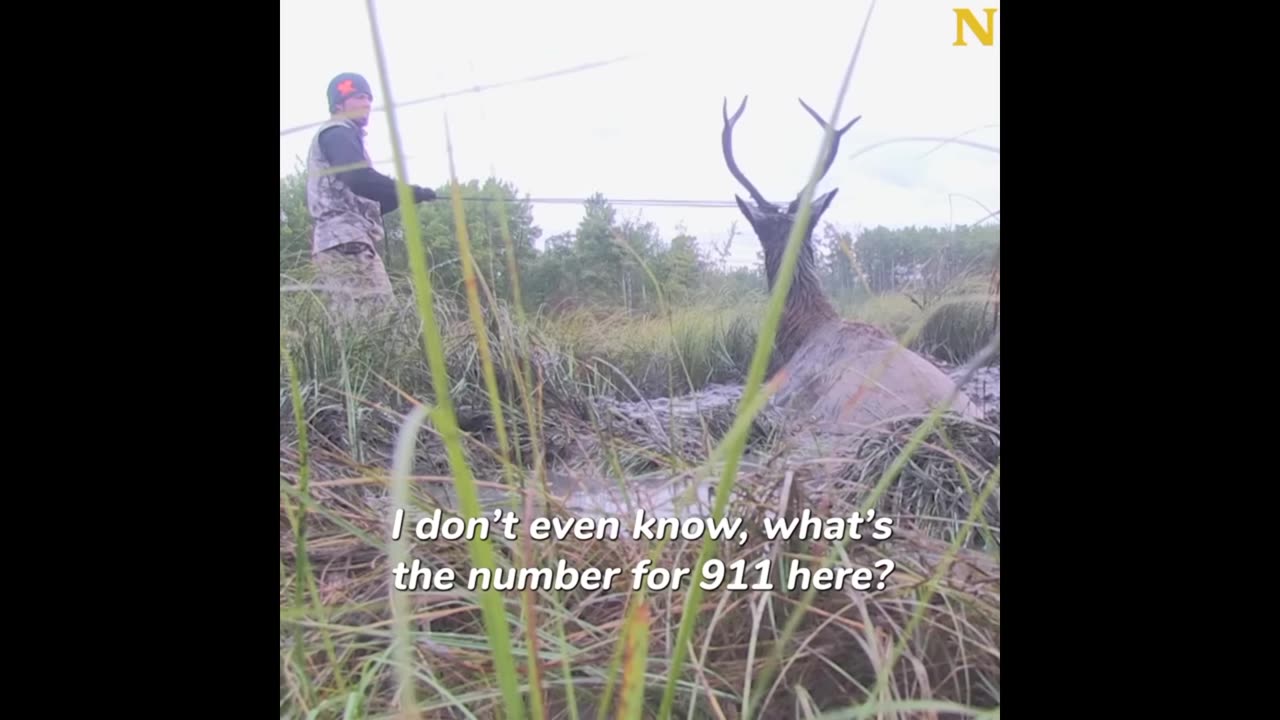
[[772, 223]]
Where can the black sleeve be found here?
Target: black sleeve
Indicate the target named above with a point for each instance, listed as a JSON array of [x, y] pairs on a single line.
[[341, 148]]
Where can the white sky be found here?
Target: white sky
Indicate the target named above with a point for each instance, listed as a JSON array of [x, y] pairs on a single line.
[[649, 126]]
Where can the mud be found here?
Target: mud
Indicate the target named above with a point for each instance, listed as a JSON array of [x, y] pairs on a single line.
[[983, 388], [588, 493]]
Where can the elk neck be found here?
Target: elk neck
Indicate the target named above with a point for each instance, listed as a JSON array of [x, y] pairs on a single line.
[[806, 308]]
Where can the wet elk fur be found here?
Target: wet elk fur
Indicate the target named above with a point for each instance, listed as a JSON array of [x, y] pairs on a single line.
[[843, 374]]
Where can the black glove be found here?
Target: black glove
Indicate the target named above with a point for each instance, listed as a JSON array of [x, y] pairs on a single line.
[[422, 194]]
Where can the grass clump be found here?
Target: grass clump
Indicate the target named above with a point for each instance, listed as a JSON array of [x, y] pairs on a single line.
[[958, 331]]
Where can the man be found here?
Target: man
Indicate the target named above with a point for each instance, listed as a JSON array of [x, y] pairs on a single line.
[[347, 199]]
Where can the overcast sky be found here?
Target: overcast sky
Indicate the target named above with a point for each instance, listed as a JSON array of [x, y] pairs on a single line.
[[649, 126]]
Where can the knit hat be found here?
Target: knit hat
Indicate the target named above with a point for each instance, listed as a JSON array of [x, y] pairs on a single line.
[[346, 85]]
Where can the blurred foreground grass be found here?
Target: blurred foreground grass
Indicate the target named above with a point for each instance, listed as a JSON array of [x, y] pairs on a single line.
[[590, 370]]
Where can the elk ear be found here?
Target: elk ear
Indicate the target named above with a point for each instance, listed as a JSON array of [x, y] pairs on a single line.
[[753, 215], [818, 206], [821, 203]]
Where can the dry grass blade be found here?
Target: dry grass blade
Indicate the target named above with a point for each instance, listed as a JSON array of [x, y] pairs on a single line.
[[403, 640], [636, 639]]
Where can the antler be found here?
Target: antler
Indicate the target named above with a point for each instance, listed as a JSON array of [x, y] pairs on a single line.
[[726, 143], [835, 144]]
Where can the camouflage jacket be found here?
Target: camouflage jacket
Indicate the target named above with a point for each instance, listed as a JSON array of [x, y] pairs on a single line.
[[340, 215]]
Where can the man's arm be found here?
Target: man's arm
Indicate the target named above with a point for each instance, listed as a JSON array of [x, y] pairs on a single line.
[[342, 148]]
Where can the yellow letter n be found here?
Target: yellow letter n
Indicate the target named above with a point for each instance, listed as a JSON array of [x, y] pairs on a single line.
[[965, 16]]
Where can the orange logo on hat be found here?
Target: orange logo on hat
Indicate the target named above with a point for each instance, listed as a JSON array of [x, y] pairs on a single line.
[[346, 87]]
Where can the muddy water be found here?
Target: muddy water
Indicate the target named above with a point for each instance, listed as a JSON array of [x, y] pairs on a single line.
[[577, 493], [658, 493], [983, 388]]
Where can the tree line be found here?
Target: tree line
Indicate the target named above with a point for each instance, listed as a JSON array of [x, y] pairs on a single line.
[[607, 261]]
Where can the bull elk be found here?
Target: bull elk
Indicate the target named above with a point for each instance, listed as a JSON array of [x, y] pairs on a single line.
[[842, 374]]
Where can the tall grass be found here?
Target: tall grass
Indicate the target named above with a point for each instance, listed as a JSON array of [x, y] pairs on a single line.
[[350, 645], [481, 552]]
